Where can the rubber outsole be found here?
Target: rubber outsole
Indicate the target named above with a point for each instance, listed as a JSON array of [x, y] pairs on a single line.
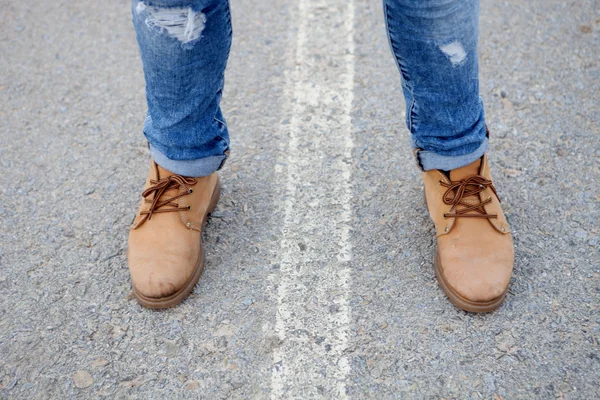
[[177, 297]]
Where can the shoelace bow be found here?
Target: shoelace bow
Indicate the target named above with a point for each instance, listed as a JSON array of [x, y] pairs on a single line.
[[459, 190], [159, 188]]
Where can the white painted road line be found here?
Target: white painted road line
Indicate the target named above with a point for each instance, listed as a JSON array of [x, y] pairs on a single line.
[[313, 283]]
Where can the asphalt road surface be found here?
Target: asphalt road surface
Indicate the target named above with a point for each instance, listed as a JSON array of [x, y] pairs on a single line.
[[319, 280]]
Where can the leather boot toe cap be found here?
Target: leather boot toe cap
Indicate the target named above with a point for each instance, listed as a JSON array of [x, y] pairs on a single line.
[[159, 274], [478, 279]]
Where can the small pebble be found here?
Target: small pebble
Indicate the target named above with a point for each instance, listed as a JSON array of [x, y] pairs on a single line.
[[99, 362], [192, 385], [83, 379], [247, 302]]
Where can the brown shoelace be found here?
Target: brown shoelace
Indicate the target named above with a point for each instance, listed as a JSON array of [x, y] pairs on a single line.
[[459, 190], [158, 188]]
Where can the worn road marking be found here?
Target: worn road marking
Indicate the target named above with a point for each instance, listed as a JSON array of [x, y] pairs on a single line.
[[313, 283]]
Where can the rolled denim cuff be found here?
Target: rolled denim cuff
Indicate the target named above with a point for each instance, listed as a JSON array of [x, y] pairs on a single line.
[[194, 168], [428, 160]]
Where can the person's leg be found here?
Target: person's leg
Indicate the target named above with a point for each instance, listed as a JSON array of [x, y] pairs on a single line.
[[434, 43], [184, 46]]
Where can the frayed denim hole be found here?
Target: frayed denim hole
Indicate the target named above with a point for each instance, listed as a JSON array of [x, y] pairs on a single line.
[[181, 23], [454, 52], [167, 3]]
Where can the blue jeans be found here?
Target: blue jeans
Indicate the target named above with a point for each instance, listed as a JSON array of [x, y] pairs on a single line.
[[185, 44]]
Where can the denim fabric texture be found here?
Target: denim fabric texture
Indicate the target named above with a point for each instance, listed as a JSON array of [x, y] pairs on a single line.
[[434, 43], [184, 45]]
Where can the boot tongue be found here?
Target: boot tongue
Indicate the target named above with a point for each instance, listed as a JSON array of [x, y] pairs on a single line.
[[466, 171], [160, 173]]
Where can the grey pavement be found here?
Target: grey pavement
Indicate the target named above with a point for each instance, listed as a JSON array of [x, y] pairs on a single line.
[[319, 280]]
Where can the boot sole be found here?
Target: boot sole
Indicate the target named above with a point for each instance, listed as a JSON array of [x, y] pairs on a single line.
[[458, 300], [177, 297]]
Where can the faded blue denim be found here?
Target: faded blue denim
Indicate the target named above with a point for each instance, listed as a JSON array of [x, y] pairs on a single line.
[[434, 43], [185, 44], [184, 81]]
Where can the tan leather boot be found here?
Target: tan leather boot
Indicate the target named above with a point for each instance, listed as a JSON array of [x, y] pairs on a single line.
[[475, 254], [165, 240]]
